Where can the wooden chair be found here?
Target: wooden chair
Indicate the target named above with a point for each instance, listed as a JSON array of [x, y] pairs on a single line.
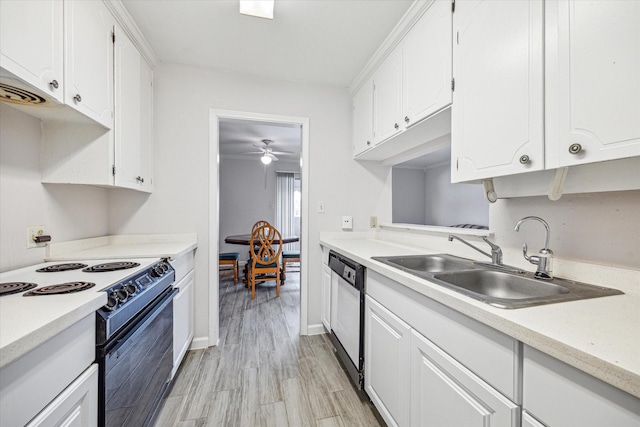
[[257, 225], [264, 263], [290, 257], [229, 259]]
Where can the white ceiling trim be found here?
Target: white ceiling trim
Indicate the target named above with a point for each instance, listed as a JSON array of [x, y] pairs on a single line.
[[129, 26]]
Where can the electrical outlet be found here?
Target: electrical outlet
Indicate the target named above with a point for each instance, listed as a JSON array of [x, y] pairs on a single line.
[[373, 222], [320, 207], [347, 222], [32, 232]]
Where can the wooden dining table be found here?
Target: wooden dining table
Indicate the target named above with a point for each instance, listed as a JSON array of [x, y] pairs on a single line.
[[245, 239]]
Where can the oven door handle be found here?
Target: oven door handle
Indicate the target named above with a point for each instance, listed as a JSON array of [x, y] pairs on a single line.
[[123, 341]]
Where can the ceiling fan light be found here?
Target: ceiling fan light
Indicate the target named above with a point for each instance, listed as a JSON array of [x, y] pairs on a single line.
[[258, 8], [265, 159]]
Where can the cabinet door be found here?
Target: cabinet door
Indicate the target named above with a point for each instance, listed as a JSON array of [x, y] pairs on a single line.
[[445, 393], [326, 296], [426, 64], [133, 115], [363, 118], [76, 406], [387, 97], [386, 357], [529, 421], [89, 59], [593, 81], [497, 113], [31, 43], [183, 319]]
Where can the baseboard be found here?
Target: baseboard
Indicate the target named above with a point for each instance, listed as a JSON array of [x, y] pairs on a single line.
[[315, 329], [199, 342]]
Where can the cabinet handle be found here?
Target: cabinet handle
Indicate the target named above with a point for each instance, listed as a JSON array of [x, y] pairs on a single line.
[[140, 179], [396, 126], [406, 119], [524, 159], [77, 98], [54, 84], [368, 142], [575, 148]]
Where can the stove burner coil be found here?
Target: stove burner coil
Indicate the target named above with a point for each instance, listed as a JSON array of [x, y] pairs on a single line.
[[110, 266], [15, 95], [61, 267], [62, 288], [15, 287]]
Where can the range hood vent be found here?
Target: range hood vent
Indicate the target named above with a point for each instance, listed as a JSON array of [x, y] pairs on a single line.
[[16, 95]]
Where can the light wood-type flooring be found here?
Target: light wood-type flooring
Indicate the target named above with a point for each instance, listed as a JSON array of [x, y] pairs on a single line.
[[263, 373]]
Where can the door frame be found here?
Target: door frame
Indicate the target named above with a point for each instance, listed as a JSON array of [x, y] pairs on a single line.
[[214, 211]]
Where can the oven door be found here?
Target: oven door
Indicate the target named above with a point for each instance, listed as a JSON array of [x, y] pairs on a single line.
[[135, 367]]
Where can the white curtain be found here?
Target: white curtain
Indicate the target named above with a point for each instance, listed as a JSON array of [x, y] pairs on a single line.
[[285, 219]]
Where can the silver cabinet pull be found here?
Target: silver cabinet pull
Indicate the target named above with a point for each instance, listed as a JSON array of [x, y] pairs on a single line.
[[575, 148], [140, 179], [396, 126], [406, 119], [54, 84], [524, 159], [77, 98]]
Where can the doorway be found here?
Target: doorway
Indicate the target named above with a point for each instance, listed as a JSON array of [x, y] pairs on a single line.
[[218, 117]]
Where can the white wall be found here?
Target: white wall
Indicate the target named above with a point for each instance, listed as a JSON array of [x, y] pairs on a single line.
[[450, 204], [183, 97], [409, 196], [599, 228], [244, 197], [67, 211]]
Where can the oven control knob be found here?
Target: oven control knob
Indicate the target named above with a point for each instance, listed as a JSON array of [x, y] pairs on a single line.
[[122, 295], [130, 288], [112, 301], [157, 271]]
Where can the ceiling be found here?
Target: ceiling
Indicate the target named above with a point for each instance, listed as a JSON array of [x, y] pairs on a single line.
[[313, 41], [239, 137]]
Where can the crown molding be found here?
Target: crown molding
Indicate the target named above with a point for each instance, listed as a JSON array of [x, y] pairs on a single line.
[[132, 30], [408, 20]]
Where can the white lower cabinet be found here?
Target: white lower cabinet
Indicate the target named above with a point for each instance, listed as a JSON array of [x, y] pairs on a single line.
[[387, 340], [183, 319], [326, 297], [445, 393], [560, 395], [426, 365], [76, 406]]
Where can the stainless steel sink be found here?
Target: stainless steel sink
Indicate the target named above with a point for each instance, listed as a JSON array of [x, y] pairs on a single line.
[[497, 288], [428, 263]]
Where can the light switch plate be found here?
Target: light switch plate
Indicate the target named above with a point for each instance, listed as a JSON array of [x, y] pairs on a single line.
[[347, 222]]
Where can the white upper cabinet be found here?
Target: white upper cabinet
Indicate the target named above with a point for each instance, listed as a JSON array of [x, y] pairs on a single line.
[[426, 64], [413, 82], [387, 97], [497, 115], [592, 81], [31, 44], [363, 118], [133, 118], [89, 59]]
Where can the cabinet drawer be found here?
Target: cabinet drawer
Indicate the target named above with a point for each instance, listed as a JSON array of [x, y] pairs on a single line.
[[562, 396], [491, 355]]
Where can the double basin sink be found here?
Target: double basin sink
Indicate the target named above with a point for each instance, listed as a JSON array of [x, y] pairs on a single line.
[[494, 286]]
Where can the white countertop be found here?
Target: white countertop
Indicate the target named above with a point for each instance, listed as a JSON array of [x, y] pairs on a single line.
[[171, 246], [599, 336], [28, 321]]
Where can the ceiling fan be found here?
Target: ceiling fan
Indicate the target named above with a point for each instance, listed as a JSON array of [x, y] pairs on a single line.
[[267, 153]]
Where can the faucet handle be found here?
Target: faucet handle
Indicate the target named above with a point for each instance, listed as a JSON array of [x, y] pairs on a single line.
[[532, 259]]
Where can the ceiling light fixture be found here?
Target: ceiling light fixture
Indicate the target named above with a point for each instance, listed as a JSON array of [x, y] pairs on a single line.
[[265, 159], [258, 8]]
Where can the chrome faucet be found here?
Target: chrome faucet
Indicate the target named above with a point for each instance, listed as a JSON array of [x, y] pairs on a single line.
[[545, 256], [496, 252]]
